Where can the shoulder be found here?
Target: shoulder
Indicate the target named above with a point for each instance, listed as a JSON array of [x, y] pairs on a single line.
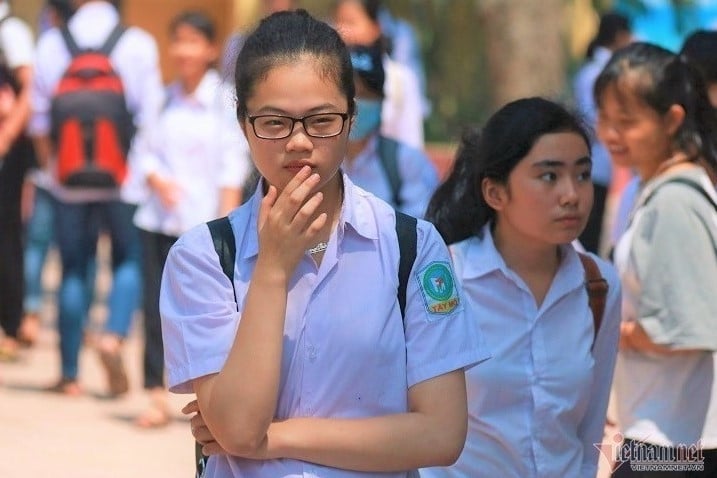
[[15, 27], [137, 44]]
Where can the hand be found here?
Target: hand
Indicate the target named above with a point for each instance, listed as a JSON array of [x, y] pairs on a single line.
[[168, 191], [200, 432], [288, 223], [634, 337]]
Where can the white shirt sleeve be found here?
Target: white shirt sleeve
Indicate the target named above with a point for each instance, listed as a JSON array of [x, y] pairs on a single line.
[[17, 43]]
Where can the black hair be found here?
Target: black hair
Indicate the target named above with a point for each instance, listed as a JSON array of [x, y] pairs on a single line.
[[7, 78], [198, 21], [458, 208], [64, 8], [660, 79], [371, 7], [701, 49], [611, 25], [283, 37]]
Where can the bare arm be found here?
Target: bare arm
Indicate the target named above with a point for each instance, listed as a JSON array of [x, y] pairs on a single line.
[[239, 402], [432, 433]]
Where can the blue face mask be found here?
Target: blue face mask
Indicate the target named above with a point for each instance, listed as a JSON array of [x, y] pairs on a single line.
[[367, 120]]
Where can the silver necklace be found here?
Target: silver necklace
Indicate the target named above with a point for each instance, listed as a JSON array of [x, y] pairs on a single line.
[[320, 247]]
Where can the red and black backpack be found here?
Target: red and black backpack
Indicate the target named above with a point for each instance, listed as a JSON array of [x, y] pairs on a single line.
[[91, 126]]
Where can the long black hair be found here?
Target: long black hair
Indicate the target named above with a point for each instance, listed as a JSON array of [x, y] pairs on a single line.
[[660, 79], [284, 37], [611, 25], [457, 208]]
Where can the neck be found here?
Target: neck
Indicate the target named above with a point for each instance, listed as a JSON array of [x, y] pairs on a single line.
[[525, 256], [190, 84], [355, 147]]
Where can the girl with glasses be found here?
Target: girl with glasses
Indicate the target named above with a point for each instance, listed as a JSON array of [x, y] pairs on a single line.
[[309, 366]]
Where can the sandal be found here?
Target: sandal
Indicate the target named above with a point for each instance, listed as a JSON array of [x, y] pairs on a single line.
[[116, 375], [66, 386], [29, 330], [9, 350]]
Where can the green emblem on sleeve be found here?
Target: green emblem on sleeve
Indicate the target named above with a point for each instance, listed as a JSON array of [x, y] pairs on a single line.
[[438, 288]]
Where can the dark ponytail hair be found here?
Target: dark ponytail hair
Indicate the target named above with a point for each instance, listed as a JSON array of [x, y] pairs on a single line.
[[457, 208], [283, 38], [660, 79]]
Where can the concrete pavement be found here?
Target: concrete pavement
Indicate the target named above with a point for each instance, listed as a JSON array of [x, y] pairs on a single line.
[[49, 435]]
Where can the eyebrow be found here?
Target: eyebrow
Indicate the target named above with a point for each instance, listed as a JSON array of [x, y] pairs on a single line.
[[278, 111], [556, 163]]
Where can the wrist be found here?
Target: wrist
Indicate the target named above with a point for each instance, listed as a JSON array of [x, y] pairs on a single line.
[[268, 273]]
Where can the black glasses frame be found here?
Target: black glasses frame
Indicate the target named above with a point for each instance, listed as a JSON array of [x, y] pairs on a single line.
[[344, 117]]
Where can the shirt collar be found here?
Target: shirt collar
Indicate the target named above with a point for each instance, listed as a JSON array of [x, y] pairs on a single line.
[[482, 258], [90, 12], [602, 54], [205, 94], [355, 212]]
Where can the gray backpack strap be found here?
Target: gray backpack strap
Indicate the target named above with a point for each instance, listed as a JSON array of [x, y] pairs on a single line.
[[388, 154]]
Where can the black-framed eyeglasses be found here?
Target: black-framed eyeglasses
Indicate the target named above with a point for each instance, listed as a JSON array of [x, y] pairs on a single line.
[[320, 125]]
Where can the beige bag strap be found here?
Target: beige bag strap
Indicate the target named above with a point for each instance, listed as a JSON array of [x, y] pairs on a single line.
[[597, 288]]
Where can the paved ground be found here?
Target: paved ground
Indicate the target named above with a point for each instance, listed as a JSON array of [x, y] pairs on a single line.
[[47, 435]]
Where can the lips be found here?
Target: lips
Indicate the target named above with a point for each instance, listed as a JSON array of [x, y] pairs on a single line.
[[570, 220], [297, 165]]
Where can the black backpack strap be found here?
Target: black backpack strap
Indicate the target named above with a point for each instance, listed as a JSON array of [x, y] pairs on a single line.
[[407, 245], [225, 245], [69, 41], [112, 39], [388, 154], [597, 288]]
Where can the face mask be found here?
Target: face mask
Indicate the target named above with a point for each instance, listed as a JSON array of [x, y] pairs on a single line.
[[367, 120]]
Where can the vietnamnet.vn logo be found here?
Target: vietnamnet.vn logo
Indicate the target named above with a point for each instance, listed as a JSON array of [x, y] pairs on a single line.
[[643, 456]]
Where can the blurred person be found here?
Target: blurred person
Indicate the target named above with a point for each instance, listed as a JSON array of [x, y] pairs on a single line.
[[357, 21], [81, 210], [400, 174], [655, 117], [235, 42], [518, 196], [14, 166], [39, 230], [194, 160], [614, 32]]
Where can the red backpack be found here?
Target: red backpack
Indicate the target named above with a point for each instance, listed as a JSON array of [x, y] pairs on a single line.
[[91, 126]]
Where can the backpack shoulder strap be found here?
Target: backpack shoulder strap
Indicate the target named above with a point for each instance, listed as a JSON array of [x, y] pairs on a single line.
[[225, 246], [597, 288], [687, 182], [69, 41], [407, 245], [388, 154], [112, 39]]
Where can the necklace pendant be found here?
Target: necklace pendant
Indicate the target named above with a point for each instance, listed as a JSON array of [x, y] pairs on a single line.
[[320, 247]]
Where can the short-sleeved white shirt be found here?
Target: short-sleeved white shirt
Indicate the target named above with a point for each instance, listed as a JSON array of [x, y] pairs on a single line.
[[16, 43], [196, 143], [537, 407], [346, 354]]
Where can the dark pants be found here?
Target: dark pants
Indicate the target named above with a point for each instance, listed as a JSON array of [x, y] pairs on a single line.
[[11, 276], [590, 238], [155, 248], [654, 453]]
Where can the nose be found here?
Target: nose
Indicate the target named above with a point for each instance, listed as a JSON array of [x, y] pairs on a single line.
[[569, 193], [299, 140], [606, 132]]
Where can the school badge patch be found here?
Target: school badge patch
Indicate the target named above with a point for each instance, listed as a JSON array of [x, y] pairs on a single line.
[[438, 288]]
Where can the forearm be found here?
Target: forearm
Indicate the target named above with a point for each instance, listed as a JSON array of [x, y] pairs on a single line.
[[432, 433], [43, 150], [380, 444], [16, 121], [239, 403]]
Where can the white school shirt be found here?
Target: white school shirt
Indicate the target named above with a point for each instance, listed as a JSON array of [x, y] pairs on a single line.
[[135, 58], [345, 351], [16, 43], [538, 406], [418, 175], [402, 109], [197, 143]]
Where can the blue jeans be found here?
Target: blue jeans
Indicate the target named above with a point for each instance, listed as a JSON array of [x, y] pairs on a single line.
[[39, 236], [77, 228]]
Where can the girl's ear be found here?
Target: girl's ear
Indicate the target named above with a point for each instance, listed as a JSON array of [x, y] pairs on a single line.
[[494, 193], [674, 118]]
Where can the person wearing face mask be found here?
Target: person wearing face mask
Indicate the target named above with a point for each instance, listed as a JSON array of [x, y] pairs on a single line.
[[391, 170]]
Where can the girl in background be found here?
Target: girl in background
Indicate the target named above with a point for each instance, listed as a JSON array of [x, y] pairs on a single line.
[[519, 194], [655, 117], [194, 162]]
